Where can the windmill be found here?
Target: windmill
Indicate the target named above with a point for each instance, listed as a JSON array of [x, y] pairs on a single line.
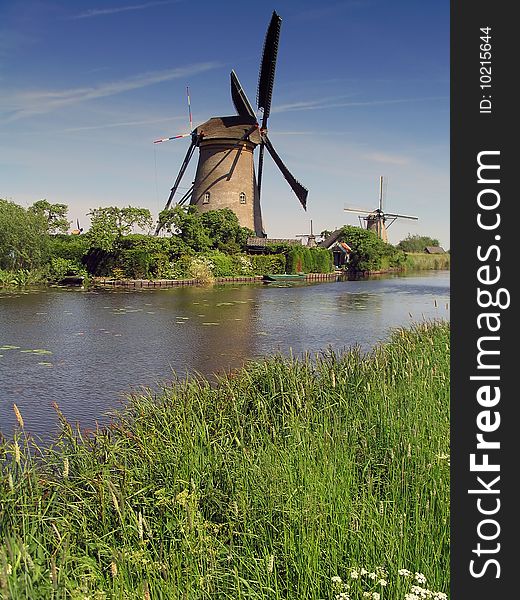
[[377, 220], [78, 230], [225, 175], [311, 238]]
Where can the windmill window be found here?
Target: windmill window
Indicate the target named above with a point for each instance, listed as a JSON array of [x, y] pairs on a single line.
[[242, 198], [205, 198]]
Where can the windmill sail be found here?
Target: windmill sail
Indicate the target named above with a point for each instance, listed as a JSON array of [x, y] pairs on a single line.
[[240, 101], [268, 67], [300, 191]]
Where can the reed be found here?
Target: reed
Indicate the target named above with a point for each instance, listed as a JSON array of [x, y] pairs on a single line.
[[421, 261], [276, 482]]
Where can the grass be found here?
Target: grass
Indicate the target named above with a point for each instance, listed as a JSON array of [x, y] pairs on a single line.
[[283, 480], [424, 261]]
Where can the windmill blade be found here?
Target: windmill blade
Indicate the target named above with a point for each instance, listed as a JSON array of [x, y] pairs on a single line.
[[174, 137], [395, 215], [300, 191], [240, 101], [260, 168], [361, 211], [182, 170], [268, 67]]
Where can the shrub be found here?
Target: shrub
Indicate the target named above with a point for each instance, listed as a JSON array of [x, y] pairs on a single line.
[[72, 247], [135, 262], [267, 263], [201, 269], [308, 260], [61, 267]]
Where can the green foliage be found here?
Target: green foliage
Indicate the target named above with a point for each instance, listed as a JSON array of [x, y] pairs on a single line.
[[211, 230], [108, 225], [301, 259], [6, 278], [99, 262], [135, 262], [416, 243], [61, 267], [23, 237], [423, 261], [71, 247], [268, 263], [55, 215], [370, 252]]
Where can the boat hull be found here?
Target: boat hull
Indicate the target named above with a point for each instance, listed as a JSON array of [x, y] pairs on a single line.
[[284, 277]]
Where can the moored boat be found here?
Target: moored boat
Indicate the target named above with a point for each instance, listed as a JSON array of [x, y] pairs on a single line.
[[72, 280], [284, 277]]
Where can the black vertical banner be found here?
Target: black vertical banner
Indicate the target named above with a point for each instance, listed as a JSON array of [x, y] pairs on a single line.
[[485, 237]]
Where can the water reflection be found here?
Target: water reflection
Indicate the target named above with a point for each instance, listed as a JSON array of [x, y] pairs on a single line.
[[85, 349]]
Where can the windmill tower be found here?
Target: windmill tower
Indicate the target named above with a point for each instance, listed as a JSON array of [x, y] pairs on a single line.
[[311, 238], [225, 176], [378, 220]]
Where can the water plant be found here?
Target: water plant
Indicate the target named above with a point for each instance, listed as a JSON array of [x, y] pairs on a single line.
[[265, 484]]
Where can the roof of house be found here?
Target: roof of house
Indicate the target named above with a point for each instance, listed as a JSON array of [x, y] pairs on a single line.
[[434, 250], [262, 242], [332, 239]]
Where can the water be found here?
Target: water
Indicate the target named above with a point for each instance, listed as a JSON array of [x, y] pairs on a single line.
[[93, 347]]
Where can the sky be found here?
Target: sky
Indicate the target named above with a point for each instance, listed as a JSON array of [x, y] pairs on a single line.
[[361, 91]]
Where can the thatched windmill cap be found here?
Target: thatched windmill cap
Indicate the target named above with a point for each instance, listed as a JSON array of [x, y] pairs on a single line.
[[232, 128]]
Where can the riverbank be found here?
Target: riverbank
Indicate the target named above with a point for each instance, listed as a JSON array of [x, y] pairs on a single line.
[[282, 476], [146, 283]]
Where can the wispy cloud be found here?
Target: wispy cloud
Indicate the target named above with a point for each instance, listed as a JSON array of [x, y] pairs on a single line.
[[99, 12], [123, 124], [26, 104], [334, 103]]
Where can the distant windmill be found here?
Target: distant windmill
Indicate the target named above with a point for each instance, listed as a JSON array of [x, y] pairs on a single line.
[[377, 220], [225, 176], [78, 230], [311, 238]]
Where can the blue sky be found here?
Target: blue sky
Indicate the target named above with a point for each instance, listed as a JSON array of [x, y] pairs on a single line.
[[361, 90]]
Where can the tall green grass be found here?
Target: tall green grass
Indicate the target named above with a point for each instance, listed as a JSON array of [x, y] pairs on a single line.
[[423, 261], [266, 485]]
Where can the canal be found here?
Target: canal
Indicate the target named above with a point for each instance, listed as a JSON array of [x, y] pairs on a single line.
[[87, 349]]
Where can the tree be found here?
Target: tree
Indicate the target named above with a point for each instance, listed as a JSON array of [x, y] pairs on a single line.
[[225, 230], [108, 225], [54, 214], [416, 243], [23, 237], [211, 230], [369, 251]]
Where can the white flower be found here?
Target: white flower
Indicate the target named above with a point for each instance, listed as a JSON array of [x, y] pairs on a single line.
[[372, 576], [363, 571], [354, 574], [404, 572], [336, 579], [383, 582], [440, 596], [411, 597], [342, 596], [420, 578], [421, 592], [376, 595]]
